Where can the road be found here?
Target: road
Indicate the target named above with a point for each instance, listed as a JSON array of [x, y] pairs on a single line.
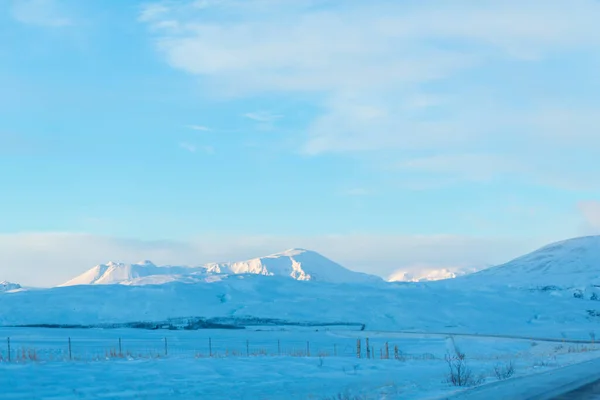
[[587, 392]]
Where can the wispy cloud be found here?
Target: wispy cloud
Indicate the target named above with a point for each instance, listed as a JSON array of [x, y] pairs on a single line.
[[199, 128], [405, 77], [188, 146], [45, 13], [354, 46], [192, 148], [262, 116], [152, 12], [472, 167], [208, 149]]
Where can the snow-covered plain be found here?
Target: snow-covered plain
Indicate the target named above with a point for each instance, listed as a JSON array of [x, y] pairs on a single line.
[[187, 371], [432, 307], [536, 311]]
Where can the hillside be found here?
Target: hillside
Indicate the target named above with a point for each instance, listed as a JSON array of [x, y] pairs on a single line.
[[275, 287], [566, 264], [298, 264], [386, 306]]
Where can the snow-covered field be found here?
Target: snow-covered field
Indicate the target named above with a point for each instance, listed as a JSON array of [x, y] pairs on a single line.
[[295, 320], [41, 367]]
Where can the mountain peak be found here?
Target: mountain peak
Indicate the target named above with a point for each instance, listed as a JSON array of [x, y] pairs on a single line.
[[6, 286], [296, 263], [567, 263]]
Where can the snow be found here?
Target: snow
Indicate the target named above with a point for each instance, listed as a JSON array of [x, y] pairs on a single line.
[[298, 264], [425, 274], [434, 307], [540, 311], [544, 386], [6, 286], [115, 273], [187, 371], [566, 264]]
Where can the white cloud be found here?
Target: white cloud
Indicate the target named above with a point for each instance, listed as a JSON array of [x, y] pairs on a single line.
[[46, 259], [367, 69], [46, 13], [356, 46]]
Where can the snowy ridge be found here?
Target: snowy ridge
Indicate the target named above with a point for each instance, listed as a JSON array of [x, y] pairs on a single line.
[[428, 275], [6, 286], [298, 264], [565, 264], [119, 273]]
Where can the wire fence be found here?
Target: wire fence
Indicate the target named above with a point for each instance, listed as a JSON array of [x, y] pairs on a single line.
[[99, 346], [22, 349]]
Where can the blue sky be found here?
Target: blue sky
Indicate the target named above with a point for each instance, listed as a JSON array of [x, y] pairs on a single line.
[[386, 135]]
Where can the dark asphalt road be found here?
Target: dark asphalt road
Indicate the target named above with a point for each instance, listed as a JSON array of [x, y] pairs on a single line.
[[588, 392]]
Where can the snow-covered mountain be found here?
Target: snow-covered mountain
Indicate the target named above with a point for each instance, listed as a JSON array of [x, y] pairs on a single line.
[[567, 264], [6, 286], [429, 274], [245, 290], [119, 273], [298, 264]]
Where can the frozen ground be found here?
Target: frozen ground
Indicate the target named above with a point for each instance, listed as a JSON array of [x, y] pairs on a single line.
[[439, 307], [187, 372]]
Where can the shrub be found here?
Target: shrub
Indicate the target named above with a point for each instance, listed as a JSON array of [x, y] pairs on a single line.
[[459, 374], [504, 371]]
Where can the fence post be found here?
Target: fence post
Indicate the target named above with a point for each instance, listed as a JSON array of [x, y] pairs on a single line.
[[166, 348], [70, 353], [368, 348], [278, 347], [335, 350], [8, 343], [209, 347], [247, 348], [307, 348], [120, 348], [387, 351], [358, 350]]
